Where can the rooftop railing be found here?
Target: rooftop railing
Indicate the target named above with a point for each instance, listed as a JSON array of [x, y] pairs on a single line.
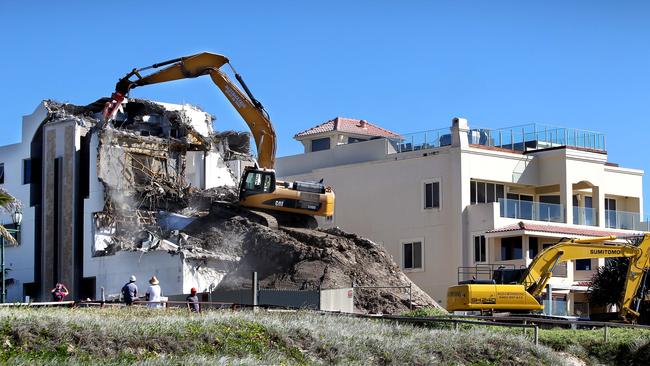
[[519, 138], [535, 136], [422, 140]]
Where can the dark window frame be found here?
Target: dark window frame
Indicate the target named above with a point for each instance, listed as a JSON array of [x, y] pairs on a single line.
[[316, 142], [432, 195], [27, 171], [480, 249], [486, 192], [583, 265], [413, 255], [511, 248]]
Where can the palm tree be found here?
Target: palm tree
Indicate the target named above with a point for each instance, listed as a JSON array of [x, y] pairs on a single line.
[[9, 204]]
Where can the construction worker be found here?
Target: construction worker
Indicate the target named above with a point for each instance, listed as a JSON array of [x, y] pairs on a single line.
[[193, 301], [130, 291], [59, 292], [154, 293]]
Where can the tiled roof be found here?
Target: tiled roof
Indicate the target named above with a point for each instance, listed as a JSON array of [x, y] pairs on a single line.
[[557, 229], [356, 126]]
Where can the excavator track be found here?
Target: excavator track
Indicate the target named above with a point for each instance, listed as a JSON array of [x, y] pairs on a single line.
[[271, 219]]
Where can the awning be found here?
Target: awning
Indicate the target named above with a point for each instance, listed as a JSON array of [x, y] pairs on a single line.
[[531, 228]]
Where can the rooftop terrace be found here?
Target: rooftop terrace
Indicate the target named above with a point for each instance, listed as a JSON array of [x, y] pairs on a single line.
[[528, 137]]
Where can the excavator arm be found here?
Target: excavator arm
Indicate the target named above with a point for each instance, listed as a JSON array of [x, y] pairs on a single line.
[[540, 270], [197, 65]]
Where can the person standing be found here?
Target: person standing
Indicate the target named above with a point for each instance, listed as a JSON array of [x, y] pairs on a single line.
[[130, 291], [193, 301], [154, 293], [59, 292]]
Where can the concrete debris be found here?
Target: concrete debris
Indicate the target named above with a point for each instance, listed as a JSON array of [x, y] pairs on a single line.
[[307, 259]]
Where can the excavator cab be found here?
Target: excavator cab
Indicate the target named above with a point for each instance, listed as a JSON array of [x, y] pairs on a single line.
[[255, 182]]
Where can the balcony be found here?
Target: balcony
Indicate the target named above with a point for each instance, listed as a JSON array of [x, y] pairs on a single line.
[[624, 220], [585, 216], [530, 210]]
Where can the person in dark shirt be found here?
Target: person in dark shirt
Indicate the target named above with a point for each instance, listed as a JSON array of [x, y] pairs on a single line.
[[193, 301], [130, 291], [59, 292]]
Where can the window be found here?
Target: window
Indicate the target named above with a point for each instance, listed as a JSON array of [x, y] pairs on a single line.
[[259, 182], [432, 195], [533, 247], [27, 171], [320, 144], [480, 249], [583, 264], [14, 232], [352, 140], [2, 173], [412, 254], [482, 192], [511, 248]]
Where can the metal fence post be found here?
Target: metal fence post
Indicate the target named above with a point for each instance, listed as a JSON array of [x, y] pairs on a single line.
[[606, 331], [410, 297], [536, 334], [525, 328], [254, 290]]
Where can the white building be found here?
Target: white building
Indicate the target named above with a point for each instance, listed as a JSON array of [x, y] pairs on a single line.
[[462, 197], [66, 171]]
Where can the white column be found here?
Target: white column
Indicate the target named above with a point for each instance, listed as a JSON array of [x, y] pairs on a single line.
[[566, 199], [598, 201]]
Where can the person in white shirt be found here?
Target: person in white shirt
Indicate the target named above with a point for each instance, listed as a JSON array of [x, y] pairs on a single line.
[[154, 293]]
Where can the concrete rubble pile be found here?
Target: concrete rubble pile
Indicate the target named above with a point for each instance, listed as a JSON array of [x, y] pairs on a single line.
[[167, 179], [296, 258]]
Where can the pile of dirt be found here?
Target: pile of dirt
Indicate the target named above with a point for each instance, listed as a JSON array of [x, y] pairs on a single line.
[[292, 258]]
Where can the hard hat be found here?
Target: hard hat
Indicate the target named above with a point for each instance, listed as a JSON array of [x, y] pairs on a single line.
[[193, 290], [132, 278]]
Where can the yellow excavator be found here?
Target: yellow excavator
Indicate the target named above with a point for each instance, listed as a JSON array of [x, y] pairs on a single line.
[[523, 294], [299, 201]]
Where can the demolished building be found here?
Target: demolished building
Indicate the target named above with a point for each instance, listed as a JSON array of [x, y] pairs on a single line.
[[138, 196]]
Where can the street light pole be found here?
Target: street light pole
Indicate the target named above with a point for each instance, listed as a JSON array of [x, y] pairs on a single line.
[[17, 218], [2, 264]]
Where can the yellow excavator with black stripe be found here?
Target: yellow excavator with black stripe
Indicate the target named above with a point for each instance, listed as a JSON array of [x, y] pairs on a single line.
[[299, 201], [523, 295]]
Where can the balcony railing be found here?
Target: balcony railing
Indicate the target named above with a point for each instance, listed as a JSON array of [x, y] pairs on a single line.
[[585, 216], [529, 210], [624, 220]]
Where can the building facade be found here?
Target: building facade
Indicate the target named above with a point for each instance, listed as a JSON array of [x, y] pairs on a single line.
[[94, 199], [454, 203]]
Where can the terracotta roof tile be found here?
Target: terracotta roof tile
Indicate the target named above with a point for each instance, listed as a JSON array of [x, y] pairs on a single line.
[[356, 126], [557, 229]]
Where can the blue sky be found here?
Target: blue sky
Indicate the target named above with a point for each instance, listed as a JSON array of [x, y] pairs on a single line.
[[407, 66]]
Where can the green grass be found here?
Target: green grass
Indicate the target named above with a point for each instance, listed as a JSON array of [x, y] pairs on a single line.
[[150, 337]]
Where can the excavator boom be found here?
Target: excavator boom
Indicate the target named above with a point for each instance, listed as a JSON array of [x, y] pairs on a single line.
[[197, 65], [297, 201]]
